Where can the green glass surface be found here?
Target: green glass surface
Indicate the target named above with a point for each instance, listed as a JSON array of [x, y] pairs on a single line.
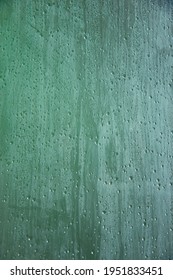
[[86, 129]]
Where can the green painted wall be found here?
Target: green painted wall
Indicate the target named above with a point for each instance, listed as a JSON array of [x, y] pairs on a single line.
[[86, 129]]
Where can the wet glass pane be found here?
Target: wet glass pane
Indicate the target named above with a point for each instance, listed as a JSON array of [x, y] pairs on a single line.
[[86, 129]]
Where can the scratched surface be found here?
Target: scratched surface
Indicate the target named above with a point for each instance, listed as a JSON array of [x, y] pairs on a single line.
[[86, 129]]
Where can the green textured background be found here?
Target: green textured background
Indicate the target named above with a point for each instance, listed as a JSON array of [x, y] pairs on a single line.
[[86, 129]]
